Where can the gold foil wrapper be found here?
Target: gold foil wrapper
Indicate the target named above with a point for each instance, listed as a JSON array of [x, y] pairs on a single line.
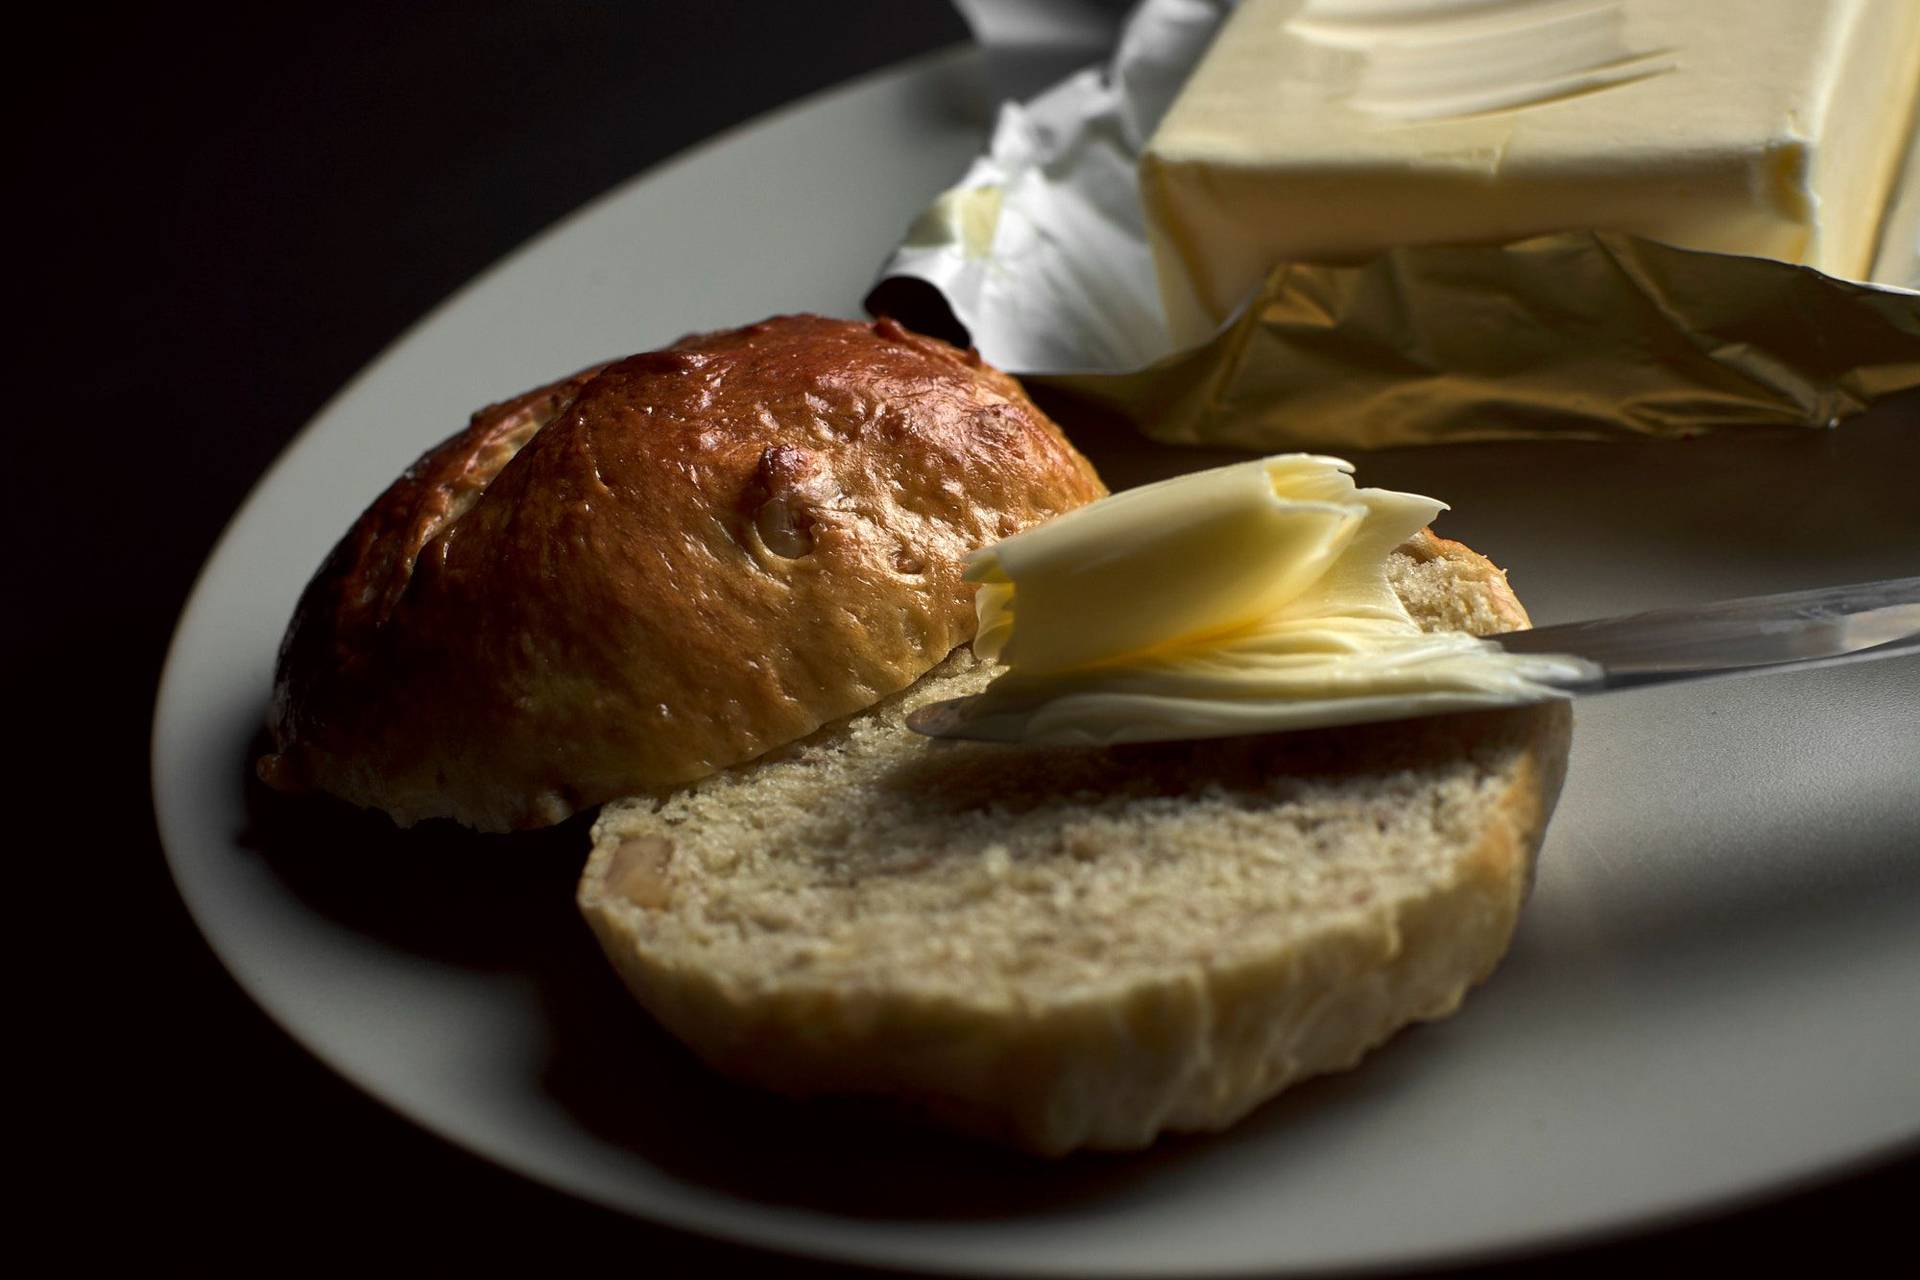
[[1580, 335]]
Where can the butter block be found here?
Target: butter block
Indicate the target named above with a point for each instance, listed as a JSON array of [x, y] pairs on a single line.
[[1330, 130], [1898, 259]]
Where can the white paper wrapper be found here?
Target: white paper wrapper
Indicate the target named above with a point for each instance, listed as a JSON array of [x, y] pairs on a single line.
[[1040, 254]]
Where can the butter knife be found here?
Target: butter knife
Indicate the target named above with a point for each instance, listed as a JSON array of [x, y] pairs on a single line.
[[1791, 631]]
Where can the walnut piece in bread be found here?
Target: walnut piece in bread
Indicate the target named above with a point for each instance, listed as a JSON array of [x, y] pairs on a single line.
[[658, 568]]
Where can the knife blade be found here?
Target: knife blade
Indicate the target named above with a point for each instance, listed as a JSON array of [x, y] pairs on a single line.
[[1792, 630]]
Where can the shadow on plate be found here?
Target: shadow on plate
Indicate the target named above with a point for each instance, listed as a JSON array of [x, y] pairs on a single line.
[[504, 904]]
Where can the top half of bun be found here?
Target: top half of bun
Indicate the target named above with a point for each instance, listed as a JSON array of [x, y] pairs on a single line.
[[657, 568]]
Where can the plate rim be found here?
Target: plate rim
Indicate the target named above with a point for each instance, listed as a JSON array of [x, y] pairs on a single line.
[[751, 1226]]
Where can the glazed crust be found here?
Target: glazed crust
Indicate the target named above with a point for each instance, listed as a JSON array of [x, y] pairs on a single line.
[[658, 568]]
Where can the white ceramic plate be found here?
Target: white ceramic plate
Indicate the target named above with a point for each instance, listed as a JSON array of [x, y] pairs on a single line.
[[1715, 990]]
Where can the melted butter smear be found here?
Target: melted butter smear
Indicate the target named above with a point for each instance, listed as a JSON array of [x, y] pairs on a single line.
[[1247, 599], [1439, 59]]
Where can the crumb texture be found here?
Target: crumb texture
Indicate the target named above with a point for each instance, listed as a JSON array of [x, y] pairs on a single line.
[[1064, 947]]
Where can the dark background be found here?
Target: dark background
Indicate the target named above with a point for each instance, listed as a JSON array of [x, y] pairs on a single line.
[[220, 220]]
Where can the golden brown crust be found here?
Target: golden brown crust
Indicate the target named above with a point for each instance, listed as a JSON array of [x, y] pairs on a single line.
[[695, 555], [1503, 610]]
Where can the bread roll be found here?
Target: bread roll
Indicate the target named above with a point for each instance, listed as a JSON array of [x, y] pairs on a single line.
[[658, 568], [1084, 947]]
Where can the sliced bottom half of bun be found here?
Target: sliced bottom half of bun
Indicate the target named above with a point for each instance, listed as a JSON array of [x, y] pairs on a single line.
[[1084, 947]]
